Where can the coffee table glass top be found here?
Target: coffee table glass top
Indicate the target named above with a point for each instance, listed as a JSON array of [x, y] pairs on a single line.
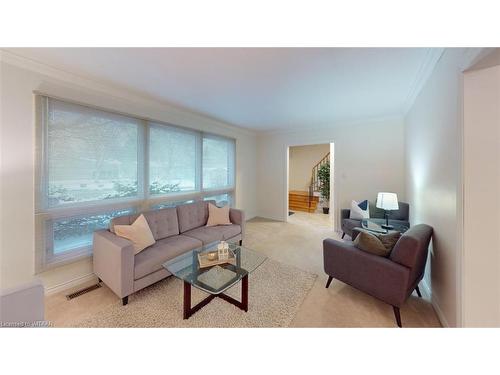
[[215, 279], [372, 226]]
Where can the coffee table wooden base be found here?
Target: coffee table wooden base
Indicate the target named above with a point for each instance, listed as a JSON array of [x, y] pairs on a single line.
[[243, 304]]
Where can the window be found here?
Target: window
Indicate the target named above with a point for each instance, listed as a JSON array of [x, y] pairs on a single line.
[[95, 165], [218, 162], [221, 199], [76, 232], [173, 160], [91, 155]]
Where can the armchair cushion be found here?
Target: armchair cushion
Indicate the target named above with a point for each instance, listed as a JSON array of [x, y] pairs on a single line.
[[370, 243]]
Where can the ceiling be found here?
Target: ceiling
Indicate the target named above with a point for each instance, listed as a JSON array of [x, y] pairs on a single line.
[[257, 88]]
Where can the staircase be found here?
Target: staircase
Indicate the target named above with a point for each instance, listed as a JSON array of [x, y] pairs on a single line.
[[300, 201], [307, 201]]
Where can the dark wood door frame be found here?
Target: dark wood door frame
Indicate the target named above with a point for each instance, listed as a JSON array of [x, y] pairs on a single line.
[[243, 304]]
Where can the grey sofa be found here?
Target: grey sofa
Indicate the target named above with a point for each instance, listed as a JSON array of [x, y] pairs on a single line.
[[176, 231], [398, 218], [390, 279]]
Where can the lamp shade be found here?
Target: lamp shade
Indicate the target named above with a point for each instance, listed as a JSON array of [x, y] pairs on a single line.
[[387, 201]]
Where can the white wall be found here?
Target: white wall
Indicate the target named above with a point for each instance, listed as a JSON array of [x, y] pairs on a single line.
[[481, 269], [369, 157], [301, 161], [19, 78], [434, 178]]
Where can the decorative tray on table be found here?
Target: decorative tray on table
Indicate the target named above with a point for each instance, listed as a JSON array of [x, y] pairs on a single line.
[[211, 258]]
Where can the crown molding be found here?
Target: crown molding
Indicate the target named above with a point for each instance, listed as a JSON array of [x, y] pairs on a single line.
[[334, 124], [472, 56], [116, 91], [431, 58]]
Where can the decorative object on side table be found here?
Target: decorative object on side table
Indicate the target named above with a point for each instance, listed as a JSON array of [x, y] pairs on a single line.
[[387, 202]]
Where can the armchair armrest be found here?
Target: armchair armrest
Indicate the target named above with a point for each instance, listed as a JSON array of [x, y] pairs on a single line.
[[238, 217], [375, 275], [114, 262], [345, 213]]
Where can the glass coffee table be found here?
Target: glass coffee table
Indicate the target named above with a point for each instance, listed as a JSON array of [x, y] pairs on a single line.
[[214, 280]]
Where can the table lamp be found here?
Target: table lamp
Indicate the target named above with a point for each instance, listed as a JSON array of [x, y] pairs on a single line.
[[387, 202]]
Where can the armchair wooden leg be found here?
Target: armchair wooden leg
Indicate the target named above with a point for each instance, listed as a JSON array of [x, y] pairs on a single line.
[[343, 235], [124, 300], [241, 242], [330, 278], [397, 315], [418, 292]]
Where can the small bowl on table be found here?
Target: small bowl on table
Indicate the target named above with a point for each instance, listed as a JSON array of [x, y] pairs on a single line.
[[212, 255]]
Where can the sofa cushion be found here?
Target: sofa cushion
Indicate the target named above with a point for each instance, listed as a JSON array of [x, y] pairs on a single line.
[[192, 215], [402, 214], [218, 215], [163, 223], [138, 232], [359, 210], [211, 234], [151, 259]]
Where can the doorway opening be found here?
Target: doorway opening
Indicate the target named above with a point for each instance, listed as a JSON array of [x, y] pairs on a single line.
[[310, 183]]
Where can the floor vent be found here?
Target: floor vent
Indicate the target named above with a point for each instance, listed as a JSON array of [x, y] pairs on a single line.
[[83, 291]]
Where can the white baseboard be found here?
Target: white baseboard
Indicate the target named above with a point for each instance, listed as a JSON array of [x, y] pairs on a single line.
[[70, 284], [426, 291]]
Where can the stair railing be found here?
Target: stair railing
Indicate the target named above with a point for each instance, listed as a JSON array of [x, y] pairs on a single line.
[[314, 185]]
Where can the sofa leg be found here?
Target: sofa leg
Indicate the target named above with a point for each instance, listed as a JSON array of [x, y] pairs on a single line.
[[418, 291], [330, 278], [343, 235], [241, 242], [124, 300], [397, 314]]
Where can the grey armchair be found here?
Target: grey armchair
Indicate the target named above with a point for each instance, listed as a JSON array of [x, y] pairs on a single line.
[[391, 279], [397, 218]]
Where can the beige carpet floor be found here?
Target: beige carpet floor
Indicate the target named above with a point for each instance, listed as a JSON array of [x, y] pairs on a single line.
[[297, 243], [276, 291]]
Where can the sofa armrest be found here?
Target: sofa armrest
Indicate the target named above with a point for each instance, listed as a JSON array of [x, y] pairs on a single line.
[[345, 213], [375, 275], [238, 217], [114, 262]]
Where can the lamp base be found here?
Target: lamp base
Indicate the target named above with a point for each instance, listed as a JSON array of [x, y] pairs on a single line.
[[388, 227]]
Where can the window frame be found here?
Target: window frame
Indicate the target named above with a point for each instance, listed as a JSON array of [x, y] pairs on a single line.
[[45, 216]]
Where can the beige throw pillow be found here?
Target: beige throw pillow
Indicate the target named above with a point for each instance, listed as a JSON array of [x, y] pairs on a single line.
[[139, 233], [389, 240], [371, 244], [218, 215]]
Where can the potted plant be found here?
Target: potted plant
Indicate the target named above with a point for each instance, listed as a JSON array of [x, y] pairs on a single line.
[[324, 185]]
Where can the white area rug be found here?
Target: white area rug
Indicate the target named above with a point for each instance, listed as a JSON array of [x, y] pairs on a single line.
[[276, 291]]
